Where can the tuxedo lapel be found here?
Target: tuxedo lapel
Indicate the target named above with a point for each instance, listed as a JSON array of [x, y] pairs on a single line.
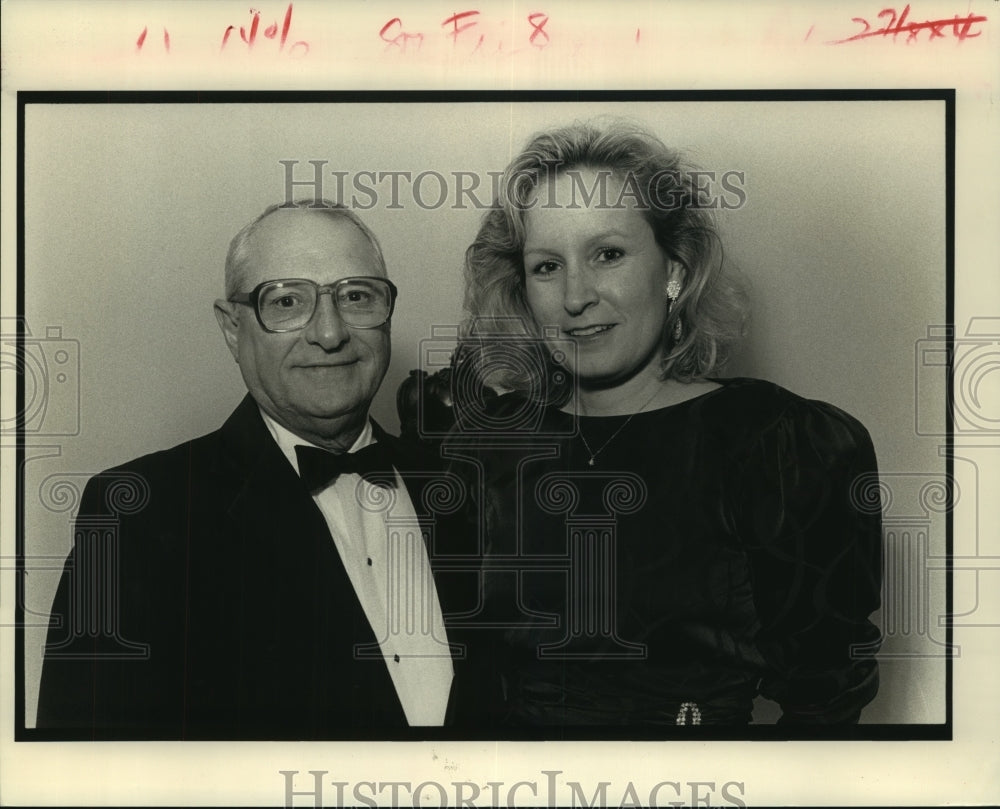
[[305, 608]]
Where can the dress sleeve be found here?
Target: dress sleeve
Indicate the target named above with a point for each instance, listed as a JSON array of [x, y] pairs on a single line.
[[814, 545]]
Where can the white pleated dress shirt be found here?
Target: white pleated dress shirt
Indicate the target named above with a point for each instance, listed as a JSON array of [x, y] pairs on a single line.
[[385, 558]]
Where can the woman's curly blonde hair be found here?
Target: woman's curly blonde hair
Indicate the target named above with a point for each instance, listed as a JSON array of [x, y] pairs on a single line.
[[712, 304]]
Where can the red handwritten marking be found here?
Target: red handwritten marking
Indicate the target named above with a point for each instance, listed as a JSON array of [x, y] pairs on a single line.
[[458, 26], [285, 27], [809, 33], [270, 32], [141, 41], [454, 20], [961, 27], [539, 30], [636, 36], [253, 30], [401, 39], [385, 29]]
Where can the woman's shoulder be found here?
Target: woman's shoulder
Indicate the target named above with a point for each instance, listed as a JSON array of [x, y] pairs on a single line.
[[758, 407]]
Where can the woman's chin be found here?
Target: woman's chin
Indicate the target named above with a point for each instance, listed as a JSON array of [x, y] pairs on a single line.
[[594, 381]]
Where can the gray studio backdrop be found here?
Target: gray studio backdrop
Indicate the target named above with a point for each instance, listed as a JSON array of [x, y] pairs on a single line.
[[129, 210]]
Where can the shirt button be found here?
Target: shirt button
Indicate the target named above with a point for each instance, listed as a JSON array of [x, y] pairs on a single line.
[[369, 561], [396, 658]]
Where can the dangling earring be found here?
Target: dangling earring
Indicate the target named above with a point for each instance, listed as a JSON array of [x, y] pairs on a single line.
[[673, 293]]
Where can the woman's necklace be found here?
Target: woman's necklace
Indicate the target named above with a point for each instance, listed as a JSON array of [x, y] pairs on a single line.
[[614, 435]]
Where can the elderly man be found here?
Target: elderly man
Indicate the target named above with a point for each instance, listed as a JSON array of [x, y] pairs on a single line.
[[269, 580]]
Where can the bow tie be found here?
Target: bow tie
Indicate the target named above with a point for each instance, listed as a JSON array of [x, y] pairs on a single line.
[[319, 468]]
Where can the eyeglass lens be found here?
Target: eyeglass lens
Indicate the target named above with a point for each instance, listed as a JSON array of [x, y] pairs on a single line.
[[290, 304]]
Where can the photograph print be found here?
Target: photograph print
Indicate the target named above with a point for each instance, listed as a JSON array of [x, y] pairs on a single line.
[[440, 416]]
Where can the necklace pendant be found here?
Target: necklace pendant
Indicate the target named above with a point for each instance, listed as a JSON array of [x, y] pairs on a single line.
[[614, 435]]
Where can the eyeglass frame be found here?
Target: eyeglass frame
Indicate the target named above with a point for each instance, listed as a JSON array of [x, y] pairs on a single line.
[[252, 298]]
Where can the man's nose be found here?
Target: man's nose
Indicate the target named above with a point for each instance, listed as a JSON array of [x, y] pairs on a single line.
[[327, 328]]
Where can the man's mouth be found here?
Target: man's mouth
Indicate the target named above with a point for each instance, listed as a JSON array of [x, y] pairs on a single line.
[[320, 365]]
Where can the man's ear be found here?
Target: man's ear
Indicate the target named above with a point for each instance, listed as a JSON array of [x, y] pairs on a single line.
[[229, 321]]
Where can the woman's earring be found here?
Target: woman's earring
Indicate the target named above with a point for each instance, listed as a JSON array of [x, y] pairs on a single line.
[[673, 293]]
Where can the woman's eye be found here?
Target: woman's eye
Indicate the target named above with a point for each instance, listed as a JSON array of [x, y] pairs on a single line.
[[544, 268], [607, 254]]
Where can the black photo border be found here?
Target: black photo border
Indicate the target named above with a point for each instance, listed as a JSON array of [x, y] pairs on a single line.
[[868, 732]]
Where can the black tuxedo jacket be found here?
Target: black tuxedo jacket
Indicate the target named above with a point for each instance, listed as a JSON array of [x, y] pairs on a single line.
[[205, 599]]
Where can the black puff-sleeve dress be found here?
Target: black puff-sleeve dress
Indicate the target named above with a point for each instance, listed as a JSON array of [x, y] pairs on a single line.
[[717, 549]]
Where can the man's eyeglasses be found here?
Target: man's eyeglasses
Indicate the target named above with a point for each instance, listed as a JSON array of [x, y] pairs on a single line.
[[289, 304]]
